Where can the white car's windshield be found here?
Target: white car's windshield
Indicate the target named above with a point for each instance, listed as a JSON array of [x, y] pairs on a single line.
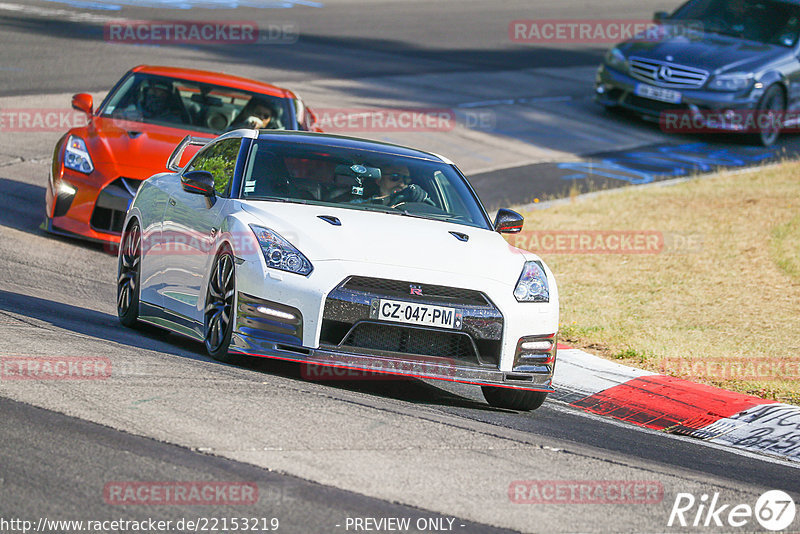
[[359, 179], [193, 105]]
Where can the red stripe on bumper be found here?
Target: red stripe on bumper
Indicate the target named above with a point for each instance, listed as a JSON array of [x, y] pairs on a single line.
[[660, 402]]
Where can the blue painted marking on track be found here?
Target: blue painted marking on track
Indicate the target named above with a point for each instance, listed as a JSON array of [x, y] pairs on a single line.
[[606, 168], [644, 166]]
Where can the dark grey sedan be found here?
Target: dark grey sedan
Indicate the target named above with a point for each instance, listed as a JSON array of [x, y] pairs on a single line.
[[736, 70]]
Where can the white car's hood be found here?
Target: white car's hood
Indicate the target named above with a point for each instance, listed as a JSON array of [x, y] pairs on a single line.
[[381, 238]]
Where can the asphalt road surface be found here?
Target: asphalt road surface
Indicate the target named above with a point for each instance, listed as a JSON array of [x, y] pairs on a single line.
[[319, 452]]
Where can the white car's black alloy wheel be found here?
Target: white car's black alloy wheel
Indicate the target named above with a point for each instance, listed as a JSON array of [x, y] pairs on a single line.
[[219, 307], [128, 279]]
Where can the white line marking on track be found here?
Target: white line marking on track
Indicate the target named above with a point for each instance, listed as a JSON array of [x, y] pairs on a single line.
[[512, 101], [109, 5], [61, 14]]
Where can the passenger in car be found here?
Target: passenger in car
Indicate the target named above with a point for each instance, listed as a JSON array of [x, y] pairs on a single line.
[[256, 114]]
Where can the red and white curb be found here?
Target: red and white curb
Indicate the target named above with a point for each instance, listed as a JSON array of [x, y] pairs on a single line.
[[676, 406]]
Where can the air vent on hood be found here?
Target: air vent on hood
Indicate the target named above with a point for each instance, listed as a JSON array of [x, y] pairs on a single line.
[[460, 236], [134, 135], [330, 219]]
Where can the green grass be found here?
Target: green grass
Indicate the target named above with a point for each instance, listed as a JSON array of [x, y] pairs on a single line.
[[726, 285], [786, 247]]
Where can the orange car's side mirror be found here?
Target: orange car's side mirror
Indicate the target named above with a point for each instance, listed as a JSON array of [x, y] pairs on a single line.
[[83, 102], [312, 120]]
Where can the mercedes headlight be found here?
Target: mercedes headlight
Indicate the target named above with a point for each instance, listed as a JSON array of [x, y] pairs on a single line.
[[731, 82], [76, 156], [616, 60], [279, 253], [532, 284]]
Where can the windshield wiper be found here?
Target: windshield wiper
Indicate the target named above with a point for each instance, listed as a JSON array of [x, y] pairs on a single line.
[[394, 211], [438, 216], [278, 199], [378, 208]]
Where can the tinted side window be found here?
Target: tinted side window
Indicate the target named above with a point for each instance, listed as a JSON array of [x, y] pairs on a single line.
[[220, 160]]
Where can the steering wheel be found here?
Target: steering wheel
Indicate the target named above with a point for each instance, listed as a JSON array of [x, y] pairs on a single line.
[[412, 194]]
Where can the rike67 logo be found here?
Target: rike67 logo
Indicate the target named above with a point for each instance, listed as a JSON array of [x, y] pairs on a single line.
[[774, 510]]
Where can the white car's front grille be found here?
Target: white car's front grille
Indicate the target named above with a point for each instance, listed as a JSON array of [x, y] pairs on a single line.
[[347, 323]]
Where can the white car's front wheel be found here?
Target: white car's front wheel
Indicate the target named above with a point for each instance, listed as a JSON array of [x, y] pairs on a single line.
[[128, 269], [219, 313], [513, 399]]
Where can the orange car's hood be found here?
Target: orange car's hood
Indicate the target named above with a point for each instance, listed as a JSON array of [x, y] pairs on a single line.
[[136, 145]]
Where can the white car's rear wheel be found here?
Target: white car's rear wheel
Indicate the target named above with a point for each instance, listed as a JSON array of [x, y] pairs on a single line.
[[513, 399], [219, 313]]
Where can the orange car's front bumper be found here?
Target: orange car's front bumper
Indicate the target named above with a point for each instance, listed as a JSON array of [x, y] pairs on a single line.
[[90, 206]]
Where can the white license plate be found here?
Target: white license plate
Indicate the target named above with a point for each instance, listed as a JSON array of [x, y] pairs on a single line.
[[658, 93], [418, 314]]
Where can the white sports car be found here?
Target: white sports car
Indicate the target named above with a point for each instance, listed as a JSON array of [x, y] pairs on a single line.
[[342, 252]]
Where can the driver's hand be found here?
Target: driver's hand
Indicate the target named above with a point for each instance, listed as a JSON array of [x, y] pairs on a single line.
[[412, 193]]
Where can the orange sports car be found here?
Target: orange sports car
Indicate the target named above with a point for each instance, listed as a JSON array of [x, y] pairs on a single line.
[[97, 168]]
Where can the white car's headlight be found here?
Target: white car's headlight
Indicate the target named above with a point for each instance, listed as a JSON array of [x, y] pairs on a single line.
[[731, 82], [279, 253], [616, 60], [76, 156], [532, 284]]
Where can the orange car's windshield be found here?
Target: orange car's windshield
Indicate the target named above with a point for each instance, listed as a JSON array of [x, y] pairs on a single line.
[[196, 106]]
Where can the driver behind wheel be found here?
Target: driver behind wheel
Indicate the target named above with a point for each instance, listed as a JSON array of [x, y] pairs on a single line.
[[157, 102], [395, 187]]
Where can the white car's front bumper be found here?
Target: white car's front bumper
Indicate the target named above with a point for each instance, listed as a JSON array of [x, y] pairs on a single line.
[[325, 319]]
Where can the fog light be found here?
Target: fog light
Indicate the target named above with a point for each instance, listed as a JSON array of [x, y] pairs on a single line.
[[66, 189], [542, 346], [535, 354], [275, 313]]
